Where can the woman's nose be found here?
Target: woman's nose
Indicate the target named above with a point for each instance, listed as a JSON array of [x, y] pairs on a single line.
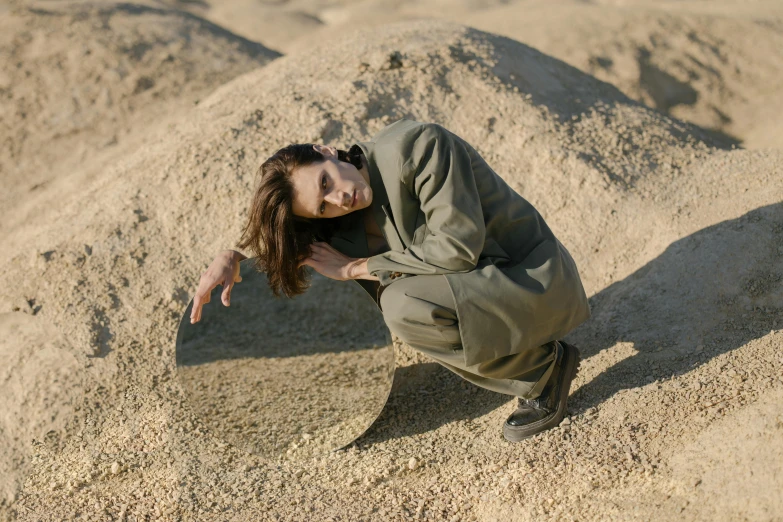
[[340, 199]]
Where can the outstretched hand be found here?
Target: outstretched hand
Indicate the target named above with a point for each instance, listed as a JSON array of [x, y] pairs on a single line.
[[329, 262], [224, 270]]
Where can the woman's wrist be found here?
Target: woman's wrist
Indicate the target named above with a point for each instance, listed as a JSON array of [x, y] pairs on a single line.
[[357, 269], [236, 256]]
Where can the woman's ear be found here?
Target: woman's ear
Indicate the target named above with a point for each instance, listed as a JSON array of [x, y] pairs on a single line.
[[326, 150]]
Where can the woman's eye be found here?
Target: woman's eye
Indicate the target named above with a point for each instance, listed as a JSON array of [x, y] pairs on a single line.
[[323, 185]]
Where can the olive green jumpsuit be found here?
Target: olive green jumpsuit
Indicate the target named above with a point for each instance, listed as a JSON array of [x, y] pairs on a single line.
[[471, 274]]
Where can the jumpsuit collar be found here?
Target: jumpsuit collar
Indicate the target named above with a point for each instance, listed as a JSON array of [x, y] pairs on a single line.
[[380, 198]]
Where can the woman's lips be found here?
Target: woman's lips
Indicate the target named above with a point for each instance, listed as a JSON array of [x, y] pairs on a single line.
[[353, 200]]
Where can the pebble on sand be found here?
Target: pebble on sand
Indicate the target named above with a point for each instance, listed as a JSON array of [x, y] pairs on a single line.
[[413, 463]]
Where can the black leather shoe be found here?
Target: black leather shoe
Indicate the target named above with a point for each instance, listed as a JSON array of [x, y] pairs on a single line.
[[533, 416]]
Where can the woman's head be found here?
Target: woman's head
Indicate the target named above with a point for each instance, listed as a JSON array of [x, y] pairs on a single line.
[[329, 188], [303, 188]]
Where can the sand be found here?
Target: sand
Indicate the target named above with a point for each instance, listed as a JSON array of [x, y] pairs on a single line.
[[112, 210]]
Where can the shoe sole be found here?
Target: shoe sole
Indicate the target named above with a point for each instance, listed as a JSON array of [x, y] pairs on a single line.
[[572, 361]]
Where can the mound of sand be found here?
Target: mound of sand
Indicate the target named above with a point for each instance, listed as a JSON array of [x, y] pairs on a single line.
[[715, 64], [642, 201], [700, 67], [80, 79]]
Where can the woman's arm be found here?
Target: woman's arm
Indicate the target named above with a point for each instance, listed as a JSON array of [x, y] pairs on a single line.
[[330, 262], [238, 256], [358, 270], [444, 184]]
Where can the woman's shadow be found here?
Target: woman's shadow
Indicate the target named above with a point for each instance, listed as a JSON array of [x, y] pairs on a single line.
[[706, 294]]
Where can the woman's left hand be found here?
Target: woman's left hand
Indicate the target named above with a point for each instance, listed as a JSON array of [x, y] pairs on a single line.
[[329, 262]]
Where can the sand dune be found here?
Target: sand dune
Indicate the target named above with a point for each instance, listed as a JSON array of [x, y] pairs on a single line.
[[716, 64], [695, 66], [83, 81], [678, 238]]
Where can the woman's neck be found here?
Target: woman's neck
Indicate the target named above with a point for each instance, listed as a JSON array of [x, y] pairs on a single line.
[[370, 226], [365, 170]]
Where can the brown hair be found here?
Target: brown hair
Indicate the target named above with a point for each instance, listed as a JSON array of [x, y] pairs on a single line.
[[277, 238]]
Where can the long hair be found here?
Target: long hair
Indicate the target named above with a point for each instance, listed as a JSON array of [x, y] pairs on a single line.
[[277, 238]]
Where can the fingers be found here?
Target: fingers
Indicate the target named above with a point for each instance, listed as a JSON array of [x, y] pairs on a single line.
[[219, 272], [325, 250], [320, 246], [194, 312], [198, 301], [226, 295], [313, 262], [202, 297]]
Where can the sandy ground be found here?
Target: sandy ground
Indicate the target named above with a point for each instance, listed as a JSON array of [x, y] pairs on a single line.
[[119, 191]]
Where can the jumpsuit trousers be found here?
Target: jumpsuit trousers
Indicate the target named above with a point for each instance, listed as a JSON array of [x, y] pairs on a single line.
[[421, 311]]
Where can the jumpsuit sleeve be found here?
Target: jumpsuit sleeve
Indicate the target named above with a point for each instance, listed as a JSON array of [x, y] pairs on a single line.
[[441, 178]]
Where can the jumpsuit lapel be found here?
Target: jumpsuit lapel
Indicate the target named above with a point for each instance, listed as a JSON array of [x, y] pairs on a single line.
[[381, 208]]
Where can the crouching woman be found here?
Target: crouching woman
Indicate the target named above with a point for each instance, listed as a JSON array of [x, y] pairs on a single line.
[[463, 268]]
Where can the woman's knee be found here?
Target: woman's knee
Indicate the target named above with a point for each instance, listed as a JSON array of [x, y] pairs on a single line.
[[413, 314], [392, 303]]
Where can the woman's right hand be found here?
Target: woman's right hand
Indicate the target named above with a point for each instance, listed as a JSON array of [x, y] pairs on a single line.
[[223, 270]]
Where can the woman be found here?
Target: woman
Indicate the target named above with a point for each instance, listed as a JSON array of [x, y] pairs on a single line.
[[462, 267]]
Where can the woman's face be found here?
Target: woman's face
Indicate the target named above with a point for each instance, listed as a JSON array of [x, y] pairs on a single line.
[[331, 188]]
